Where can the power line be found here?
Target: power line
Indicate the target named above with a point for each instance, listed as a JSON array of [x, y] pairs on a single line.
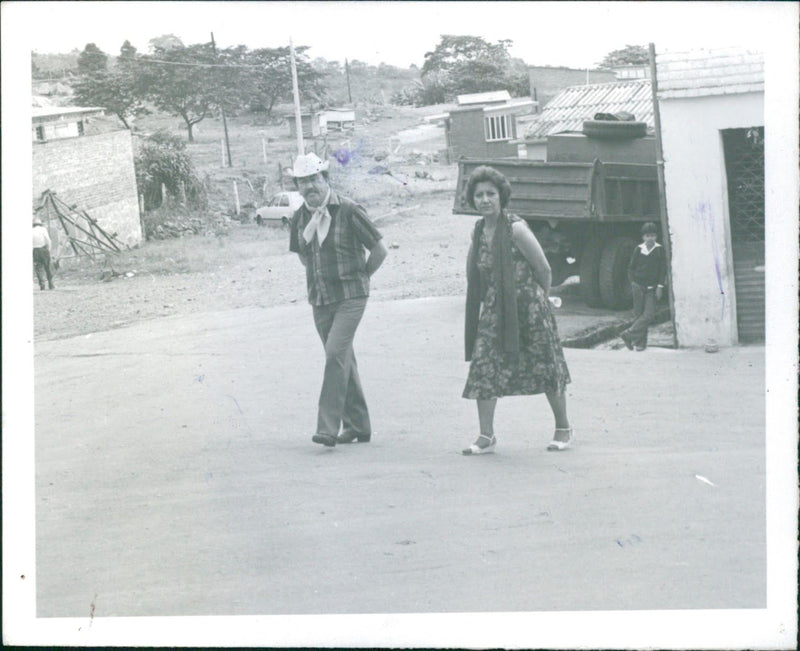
[[201, 65]]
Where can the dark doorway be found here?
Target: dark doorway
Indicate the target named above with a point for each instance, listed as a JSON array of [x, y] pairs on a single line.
[[744, 166]]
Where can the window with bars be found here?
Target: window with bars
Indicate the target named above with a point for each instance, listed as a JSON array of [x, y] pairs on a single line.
[[497, 127], [40, 133]]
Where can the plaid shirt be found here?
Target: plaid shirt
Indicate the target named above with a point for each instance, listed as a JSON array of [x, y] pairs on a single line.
[[336, 270]]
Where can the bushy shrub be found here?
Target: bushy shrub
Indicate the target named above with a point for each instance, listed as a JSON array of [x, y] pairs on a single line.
[[162, 160]]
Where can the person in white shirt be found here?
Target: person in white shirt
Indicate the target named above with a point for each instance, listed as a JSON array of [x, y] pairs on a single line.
[[41, 254]]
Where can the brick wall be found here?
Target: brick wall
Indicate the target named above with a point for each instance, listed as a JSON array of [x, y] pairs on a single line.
[[466, 137], [96, 174]]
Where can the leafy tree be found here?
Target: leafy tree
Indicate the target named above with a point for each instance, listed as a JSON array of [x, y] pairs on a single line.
[[432, 90], [630, 55], [92, 59], [116, 91], [56, 65], [183, 81], [518, 79], [469, 64], [127, 54], [453, 50], [165, 42], [162, 159], [270, 79]]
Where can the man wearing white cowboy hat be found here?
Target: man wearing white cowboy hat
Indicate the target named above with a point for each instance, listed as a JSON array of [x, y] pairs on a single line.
[[41, 253], [330, 233]]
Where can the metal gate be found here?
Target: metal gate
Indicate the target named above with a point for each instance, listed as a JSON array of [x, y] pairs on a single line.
[[744, 165]]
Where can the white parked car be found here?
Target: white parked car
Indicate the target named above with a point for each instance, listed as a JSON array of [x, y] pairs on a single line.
[[280, 208]]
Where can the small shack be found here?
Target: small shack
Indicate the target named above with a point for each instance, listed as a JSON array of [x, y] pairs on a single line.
[[483, 125], [339, 119], [312, 122]]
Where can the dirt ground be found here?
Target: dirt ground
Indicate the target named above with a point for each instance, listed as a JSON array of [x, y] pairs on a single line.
[[407, 193], [427, 250]]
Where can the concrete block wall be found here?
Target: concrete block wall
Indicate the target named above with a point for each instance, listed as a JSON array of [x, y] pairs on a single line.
[[95, 173], [697, 206]]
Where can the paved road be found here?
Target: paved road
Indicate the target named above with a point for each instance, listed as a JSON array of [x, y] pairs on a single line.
[[176, 476]]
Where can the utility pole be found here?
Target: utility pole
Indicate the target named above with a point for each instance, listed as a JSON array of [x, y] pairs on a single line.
[[297, 117], [222, 109], [662, 195], [347, 72]]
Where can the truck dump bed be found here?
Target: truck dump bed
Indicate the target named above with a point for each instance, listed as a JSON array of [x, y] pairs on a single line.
[[603, 192]]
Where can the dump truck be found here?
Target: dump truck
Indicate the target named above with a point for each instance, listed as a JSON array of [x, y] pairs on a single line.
[[586, 204]]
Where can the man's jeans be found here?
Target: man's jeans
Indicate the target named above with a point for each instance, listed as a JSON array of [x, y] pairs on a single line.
[[341, 401], [644, 311]]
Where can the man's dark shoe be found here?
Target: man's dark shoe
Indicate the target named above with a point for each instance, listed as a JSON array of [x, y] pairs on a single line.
[[326, 439], [351, 437], [627, 339]]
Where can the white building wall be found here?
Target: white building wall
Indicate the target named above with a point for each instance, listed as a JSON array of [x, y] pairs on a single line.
[[697, 205]]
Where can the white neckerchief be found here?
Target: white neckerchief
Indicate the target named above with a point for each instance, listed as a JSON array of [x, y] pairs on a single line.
[[320, 221]]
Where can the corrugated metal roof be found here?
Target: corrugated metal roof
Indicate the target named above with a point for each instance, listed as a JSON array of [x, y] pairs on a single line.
[[567, 110], [719, 71], [483, 98]]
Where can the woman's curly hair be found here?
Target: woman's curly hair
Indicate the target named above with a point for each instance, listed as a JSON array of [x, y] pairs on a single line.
[[490, 175]]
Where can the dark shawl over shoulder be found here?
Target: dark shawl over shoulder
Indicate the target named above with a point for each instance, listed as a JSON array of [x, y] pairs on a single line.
[[503, 275]]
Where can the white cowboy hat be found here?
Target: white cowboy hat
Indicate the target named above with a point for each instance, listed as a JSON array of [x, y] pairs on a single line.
[[308, 165], [37, 221]]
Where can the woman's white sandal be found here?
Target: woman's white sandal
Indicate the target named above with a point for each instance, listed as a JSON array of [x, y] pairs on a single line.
[[557, 445], [476, 449]]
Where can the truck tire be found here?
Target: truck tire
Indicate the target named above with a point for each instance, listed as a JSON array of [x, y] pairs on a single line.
[[615, 288], [588, 270], [613, 129]]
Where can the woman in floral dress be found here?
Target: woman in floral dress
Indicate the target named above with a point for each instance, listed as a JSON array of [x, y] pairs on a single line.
[[510, 333]]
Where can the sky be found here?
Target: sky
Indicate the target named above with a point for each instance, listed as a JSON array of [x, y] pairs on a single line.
[[573, 34]]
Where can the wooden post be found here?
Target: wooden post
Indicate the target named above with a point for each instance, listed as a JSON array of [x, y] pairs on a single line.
[[347, 72], [163, 194], [296, 92], [141, 216], [222, 150], [222, 110], [662, 194], [183, 193], [236, 197], [264, 148]]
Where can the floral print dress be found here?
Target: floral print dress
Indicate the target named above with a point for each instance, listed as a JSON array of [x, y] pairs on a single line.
[[539, 367]]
